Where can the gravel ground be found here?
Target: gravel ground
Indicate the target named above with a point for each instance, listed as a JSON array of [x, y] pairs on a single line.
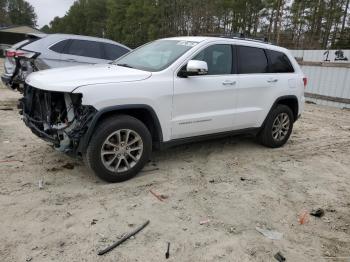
[[233, 184]]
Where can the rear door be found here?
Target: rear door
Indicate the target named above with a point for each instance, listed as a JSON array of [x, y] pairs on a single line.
[[256, 85], [264, 75], [80, 52], [205, 104]]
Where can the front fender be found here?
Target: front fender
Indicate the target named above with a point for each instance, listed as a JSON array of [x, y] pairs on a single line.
[[85, 140]]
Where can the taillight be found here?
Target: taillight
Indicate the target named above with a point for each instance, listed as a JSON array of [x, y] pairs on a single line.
[[305, 81], [18, 53], [13, 53]]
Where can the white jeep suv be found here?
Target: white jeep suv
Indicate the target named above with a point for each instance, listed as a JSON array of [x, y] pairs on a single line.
[[166, 92]]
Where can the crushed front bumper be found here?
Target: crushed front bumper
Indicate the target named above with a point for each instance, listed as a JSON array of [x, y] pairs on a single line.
[[56, 117]]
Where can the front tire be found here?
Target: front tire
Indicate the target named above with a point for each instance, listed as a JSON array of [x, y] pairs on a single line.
[[119, 148], [278, 127]]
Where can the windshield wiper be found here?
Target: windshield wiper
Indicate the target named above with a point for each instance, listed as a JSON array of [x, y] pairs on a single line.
[[125, 65]]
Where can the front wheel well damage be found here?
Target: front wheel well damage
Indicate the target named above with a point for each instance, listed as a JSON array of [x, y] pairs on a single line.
[[143, 113]]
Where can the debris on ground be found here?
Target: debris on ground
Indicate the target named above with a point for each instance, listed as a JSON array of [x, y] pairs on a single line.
[[9, 160], [167, 254], [149, 169], [303, 217], [270, 234], [160, 197], [68, 166], [244, 179], [124, 238], [41, 184], [93, 222], [318, 212], [53, 169], [279, 257], [6, 108], [310, 102], [203, 222]]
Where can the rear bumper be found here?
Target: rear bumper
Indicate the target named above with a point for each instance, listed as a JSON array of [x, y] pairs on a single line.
[[6, 79]]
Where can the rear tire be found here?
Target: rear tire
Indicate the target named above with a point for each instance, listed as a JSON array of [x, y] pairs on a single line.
[[277, 128], [119, 148]]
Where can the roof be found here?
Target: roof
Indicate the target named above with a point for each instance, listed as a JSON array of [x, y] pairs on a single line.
[[237, 40], [22, 29], [191, 38], [84, 37]]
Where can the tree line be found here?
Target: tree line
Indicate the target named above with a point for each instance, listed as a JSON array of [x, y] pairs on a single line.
[[17, 12], [295, 24]]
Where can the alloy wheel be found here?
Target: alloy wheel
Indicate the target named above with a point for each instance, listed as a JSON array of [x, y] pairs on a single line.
[[122, 150], [280, 126]]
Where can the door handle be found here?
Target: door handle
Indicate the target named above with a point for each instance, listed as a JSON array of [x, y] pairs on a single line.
[[71, 60], [229, 82], [272, 80]]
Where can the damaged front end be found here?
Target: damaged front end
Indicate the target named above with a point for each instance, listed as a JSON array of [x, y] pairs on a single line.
[[56, 117]]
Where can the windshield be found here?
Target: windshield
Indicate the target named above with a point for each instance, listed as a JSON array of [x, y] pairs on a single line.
[[156, 56]]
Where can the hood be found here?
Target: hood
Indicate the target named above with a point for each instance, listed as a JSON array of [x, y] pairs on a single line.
[[69, 78]]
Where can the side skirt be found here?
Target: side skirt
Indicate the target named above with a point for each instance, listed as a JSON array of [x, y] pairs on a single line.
[[181, 141]]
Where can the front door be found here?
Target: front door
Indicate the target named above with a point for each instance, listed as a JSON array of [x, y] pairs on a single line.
[[205, 104]]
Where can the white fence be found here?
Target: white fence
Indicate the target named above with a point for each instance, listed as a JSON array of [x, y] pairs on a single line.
[[328, 76]]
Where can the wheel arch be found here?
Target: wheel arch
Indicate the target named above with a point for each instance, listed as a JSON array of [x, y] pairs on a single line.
[[290, 100], [144, 113]]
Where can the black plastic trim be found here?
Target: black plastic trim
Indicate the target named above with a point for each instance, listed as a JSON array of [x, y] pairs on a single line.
[[84, 142], [181, 141], [276, 103]]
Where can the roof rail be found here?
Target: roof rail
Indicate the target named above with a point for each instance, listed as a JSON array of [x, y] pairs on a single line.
[[241, 36]]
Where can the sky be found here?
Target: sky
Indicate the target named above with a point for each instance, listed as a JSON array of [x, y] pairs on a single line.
[[46, 10]]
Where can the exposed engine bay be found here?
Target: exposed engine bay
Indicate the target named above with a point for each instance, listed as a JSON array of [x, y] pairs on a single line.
[[56, 117]]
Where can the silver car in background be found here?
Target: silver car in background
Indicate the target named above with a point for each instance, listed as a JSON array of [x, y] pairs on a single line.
[[42, 51]]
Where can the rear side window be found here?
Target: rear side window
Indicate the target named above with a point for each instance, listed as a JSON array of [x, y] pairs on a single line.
[[59, 47], [112, 52], [251, 60], [85, 48], [279, 62]]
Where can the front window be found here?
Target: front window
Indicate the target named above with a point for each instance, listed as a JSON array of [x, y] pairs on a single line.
[[218, 58], [157, 55]]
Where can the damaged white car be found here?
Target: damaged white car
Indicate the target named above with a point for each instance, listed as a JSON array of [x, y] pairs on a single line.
[[167, 92]]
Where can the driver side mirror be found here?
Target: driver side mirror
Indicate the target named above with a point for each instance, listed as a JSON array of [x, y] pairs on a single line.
[[196, 67]]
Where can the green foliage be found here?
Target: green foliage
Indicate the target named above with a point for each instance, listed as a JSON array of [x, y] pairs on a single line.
[[17, 12], [291, 23]]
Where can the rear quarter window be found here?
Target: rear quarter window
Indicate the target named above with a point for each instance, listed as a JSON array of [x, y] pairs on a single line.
[[59, 47], [279, 62], [112, 52], [251, 60]]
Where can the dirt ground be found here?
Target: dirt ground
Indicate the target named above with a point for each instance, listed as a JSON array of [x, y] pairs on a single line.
[[233, 183]]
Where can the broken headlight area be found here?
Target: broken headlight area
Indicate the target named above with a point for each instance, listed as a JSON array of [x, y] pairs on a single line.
[[56, 117]]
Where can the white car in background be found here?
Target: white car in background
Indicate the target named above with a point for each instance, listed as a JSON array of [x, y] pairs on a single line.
[[166, 92], [42, 51]]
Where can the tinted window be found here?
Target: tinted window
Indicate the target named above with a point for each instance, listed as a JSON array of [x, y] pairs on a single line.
[[85, 48], [58, 47], [218, 58], [279, 62], [251, 60], [113, 52]]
